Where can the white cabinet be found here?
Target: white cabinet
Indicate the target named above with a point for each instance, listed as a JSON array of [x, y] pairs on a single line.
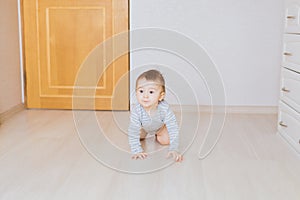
[[289, 105], [289, 125], [292, 20], [290, 88], [291, 51]]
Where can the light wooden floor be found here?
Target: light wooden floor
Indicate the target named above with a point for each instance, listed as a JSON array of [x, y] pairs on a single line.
[[41, 157]]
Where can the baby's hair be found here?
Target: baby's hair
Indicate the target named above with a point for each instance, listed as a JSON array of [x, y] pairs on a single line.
[[153, 75]]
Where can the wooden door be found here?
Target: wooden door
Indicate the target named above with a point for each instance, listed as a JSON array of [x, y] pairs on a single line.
[[63, 43]]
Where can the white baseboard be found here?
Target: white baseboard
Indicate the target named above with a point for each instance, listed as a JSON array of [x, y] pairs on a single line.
[[253, 109], [9, 113], [227, 109]]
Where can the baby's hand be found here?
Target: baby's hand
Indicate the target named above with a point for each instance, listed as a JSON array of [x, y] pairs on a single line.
[[175, 155], [139, 156]]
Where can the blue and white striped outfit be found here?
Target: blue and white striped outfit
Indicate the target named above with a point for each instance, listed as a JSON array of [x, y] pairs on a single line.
[[140, 119]]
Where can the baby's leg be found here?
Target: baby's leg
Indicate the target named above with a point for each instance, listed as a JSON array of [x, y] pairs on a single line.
[[162, 136], [143, 134]]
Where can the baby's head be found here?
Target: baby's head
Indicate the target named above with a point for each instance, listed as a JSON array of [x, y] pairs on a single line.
[[150, 88], [153, 76]]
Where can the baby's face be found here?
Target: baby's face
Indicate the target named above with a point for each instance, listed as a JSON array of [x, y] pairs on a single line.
[[149, 93]]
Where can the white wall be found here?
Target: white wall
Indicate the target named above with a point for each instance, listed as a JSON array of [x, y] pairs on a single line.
[[243, 38], [10, 86]]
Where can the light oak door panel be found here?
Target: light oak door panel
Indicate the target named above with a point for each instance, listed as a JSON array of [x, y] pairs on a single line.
[[62, 43]]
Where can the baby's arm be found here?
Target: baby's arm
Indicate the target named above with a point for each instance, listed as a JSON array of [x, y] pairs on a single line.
[[173, 130], [134, 135]]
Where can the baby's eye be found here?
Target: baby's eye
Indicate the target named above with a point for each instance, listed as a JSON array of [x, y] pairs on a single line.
[[151, 92], [141, 91]]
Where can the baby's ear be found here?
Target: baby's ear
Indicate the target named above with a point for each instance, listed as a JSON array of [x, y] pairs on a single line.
[[162, 96]]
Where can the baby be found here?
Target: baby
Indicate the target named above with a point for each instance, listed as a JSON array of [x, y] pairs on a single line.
[[152, 115]]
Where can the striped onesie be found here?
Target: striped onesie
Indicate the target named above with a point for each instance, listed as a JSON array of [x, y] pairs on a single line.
[[140, 119]]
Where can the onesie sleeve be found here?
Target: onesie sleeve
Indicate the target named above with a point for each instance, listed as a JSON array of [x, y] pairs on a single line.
[[172, 126], [134, 131]]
